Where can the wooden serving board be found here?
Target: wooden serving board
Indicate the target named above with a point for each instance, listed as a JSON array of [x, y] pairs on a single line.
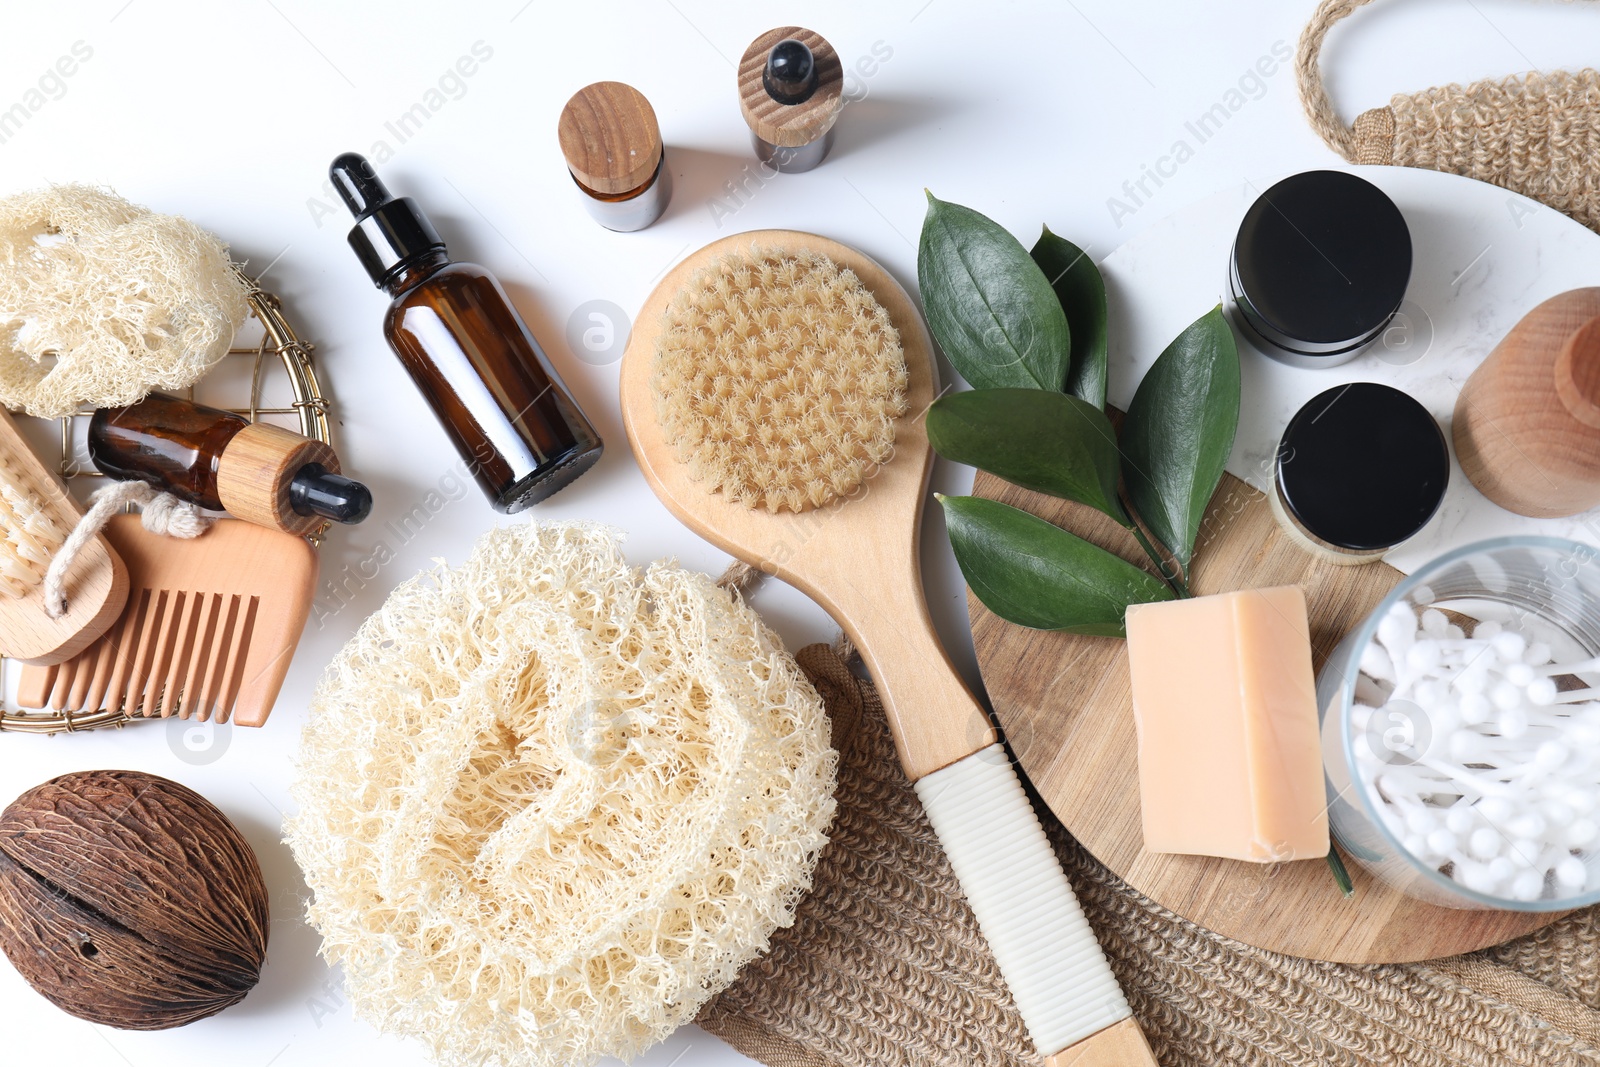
[[1066, 707]]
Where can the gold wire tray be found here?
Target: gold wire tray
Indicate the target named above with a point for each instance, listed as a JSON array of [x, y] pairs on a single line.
[[308, 406]]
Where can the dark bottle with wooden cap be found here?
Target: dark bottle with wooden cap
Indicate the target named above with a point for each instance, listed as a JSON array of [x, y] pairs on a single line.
[[1527, 423], [216, 459], [613, 147], [791, 87], [467, 350]]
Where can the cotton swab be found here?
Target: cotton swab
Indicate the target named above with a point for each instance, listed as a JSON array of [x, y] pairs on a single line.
[[1482, 766]]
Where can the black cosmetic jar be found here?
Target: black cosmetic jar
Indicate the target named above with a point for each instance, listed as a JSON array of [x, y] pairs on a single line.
[[1319, 267], [1360, 469]]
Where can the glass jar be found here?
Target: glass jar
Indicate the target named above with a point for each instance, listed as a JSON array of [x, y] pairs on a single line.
[[1377, 748]]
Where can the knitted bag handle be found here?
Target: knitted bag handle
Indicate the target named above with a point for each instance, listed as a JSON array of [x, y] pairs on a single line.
[[1536, 134]]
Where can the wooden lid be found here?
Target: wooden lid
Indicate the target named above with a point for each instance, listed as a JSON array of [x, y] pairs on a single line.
[[255, 470], [610, 137], [790, 125]]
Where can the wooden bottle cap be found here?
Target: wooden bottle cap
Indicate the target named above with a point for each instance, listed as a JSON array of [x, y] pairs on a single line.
[[255, 470], [790, 125], [610, 137]]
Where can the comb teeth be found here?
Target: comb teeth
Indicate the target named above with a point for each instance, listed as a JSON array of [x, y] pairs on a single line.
[[173, 652]]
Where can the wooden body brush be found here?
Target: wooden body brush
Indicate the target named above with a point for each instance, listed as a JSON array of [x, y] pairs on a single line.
[[759, 333], [38, 515]]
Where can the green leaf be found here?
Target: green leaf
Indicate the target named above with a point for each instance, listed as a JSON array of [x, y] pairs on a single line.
[[1048, 442], [988, 304], [1179, 430], [1341, 877], [1034, 574], [1082, 292]]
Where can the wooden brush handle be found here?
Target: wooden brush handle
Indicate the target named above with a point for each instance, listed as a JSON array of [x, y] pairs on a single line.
[[876, 596], [1024, 904], [1119, 1045], [1058, 976]]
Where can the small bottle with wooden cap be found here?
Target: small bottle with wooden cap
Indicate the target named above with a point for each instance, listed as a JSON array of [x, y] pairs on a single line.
[[215, 459], [1527, 423], [791, 87], [609, 135]]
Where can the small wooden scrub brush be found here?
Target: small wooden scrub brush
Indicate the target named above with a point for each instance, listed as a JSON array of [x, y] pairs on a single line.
[[765, 390], [36, 516]]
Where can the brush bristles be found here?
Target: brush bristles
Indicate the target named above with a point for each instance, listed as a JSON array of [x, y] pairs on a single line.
[[778, 379], [28, 538]]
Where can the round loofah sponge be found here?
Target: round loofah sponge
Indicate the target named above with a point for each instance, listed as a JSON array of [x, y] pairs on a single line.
[[778, 379], [122, 299], [550, 804]]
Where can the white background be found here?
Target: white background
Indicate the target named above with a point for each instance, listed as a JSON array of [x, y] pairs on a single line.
[[229, 114]]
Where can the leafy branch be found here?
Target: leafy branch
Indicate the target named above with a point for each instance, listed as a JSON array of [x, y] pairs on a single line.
[[1028, 331]]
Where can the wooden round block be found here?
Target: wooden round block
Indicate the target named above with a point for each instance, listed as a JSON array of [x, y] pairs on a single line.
[[255, 471], [790, 125], [1066, 707], [1526, 425], [610, 137]]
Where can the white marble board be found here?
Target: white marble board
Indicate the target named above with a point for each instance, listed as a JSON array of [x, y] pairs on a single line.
[[1482, 258]]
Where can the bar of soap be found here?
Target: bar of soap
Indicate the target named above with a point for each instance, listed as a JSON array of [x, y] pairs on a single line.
[[1230, 762]]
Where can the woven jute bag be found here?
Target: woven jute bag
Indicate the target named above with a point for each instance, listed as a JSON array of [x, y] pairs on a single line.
[[1537, 134], [885, 965]]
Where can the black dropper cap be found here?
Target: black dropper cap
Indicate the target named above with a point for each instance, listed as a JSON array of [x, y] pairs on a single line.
[[790, 76], [315, 490], [389, 233]]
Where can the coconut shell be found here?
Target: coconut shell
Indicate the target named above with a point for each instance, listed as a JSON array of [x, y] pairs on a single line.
[[129, 900]]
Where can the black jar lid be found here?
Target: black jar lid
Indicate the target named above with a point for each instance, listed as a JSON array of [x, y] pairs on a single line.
[[1321, 263], [1362, 467]]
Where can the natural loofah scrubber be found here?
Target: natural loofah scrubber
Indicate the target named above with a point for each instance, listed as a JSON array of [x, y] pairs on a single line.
[[550, 804], [778, 378], [102, 301]]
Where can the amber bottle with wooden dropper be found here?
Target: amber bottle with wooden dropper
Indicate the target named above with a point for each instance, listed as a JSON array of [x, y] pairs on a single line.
[[467, 350], [221, 460]]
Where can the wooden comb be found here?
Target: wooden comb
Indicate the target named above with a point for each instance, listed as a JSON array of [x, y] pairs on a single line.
[[96, 586], [209, 629]]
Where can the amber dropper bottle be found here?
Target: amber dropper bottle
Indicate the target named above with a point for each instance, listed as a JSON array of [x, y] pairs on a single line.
[[222, 461], [467, 350]]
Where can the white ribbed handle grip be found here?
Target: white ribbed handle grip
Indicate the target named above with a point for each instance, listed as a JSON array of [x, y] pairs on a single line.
[[1046, 951]]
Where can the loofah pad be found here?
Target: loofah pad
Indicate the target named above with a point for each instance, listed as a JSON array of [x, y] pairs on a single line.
[[778, 379], [28, 537], [123, 300], [550, 804]]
